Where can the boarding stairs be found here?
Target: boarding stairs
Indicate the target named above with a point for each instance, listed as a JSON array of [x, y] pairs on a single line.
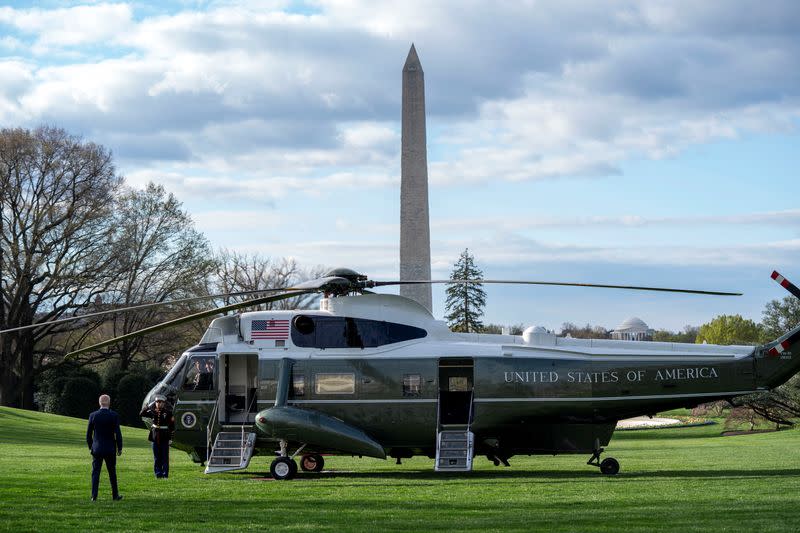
[[455, 444], [234, 444], [232, 450], [454, 450]]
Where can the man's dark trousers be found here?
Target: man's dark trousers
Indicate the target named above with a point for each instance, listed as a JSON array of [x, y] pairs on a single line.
[[111, 466], [161, 458]]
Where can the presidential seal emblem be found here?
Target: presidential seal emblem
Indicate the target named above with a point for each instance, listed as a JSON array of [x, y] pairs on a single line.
[[188, 420]]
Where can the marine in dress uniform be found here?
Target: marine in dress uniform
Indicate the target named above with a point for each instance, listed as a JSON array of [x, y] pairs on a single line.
[[104, 438], [161, 433]]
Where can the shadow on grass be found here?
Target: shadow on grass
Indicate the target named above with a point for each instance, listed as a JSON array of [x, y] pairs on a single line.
[[532, 475]]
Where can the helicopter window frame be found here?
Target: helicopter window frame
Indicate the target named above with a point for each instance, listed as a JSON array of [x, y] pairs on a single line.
[[336, 332], [298, 385], [209, 384], [412, 385], [339, 383]]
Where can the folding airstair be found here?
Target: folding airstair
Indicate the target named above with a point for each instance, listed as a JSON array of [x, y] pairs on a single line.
[[454, 450], [232, 451]]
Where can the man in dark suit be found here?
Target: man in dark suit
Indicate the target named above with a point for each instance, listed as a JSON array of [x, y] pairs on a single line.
[[104, 438]]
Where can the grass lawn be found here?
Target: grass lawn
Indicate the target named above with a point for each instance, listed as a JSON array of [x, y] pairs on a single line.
[[686, 479]]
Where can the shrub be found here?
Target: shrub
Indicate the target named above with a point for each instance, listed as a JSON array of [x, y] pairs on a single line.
[[78, 398], [131, 391]]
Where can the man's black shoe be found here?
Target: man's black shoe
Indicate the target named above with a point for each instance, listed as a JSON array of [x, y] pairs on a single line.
[[117, 498], [94, 499]]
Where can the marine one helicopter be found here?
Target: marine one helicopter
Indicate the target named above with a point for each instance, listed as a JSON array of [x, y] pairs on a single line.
[[376, 375]]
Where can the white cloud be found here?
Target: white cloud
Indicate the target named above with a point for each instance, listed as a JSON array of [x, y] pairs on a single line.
[[72, 26], [505, 223], [243, 92]]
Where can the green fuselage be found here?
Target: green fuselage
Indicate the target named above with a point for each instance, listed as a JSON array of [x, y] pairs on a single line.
[[377, 375]]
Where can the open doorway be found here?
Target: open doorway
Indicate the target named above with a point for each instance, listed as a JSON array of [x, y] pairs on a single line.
[[241, 388], [455, 391]]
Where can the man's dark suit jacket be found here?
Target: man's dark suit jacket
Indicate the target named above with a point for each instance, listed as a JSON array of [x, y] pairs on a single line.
[[103, 434]]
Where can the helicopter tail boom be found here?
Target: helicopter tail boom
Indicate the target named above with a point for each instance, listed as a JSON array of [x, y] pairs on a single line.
[[780, 358]]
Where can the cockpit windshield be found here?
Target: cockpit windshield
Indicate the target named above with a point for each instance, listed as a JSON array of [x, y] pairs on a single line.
[[172, 376], [169, 385]]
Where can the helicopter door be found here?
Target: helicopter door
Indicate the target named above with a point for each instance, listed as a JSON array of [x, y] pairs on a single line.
[[241, 388], [455, 391]]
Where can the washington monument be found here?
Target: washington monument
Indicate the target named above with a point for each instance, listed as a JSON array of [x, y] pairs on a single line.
[[415, 235]]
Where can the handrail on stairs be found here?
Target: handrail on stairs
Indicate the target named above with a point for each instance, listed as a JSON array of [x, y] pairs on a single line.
[[211, 421], [246, 417]]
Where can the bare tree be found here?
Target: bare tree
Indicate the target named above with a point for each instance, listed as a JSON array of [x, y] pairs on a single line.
[[161, 257], [586, 332], [56, 253], [248, 272]]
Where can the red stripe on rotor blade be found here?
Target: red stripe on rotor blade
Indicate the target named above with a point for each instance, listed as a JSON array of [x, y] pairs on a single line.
[[779, 348], [786, 284]]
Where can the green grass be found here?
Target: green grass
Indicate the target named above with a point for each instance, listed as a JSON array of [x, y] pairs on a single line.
[[688, 479]]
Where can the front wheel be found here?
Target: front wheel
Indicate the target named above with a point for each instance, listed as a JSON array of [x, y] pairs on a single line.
[[609, 466], [312, 462], [283, 468]]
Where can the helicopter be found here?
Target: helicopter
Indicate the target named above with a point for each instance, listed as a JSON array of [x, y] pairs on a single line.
[[375, 375]]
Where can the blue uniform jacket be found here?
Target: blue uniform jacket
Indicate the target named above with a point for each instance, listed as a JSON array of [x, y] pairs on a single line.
[[103, 434]]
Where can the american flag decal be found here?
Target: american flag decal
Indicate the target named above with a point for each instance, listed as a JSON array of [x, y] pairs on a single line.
[[269, 329]]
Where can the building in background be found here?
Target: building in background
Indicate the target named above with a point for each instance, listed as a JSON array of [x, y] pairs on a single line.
[[633, 329]]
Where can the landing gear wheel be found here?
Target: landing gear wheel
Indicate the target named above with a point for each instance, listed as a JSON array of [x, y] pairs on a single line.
[[609, 466], [312, 462], [283, 468]]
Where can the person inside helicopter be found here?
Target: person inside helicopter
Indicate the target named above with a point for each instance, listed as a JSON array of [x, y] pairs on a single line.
[[201, 375]]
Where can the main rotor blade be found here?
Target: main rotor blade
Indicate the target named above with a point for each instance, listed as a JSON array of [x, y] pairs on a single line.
[[189, 318], [553, 283], [145, 306], [785, 283]]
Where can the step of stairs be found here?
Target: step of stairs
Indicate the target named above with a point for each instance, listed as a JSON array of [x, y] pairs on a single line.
[[454, 450], [232, 450]]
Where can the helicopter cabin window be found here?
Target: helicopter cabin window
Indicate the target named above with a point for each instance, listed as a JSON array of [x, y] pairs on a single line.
[[334, 384], [412, 385], [310, 331], [299, 385], [200, 374]]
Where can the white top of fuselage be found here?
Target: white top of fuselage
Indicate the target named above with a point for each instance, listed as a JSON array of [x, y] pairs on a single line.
[[440, 341]]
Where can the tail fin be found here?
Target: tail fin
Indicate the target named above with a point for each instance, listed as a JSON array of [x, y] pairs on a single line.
[[780, 359]]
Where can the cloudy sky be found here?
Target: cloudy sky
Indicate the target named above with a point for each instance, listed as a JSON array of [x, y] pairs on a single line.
[[632, 142]]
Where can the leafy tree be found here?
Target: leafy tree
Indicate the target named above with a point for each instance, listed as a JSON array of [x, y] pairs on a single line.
[[729, 329], [51, 383], [56, 248], [465, 301], [131, 391], [688, 335], [78, 398], [779, 316]]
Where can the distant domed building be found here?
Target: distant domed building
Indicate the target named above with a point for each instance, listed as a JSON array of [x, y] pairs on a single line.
[[633, 329]]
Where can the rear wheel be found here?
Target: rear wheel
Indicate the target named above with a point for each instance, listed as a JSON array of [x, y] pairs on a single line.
[[312, 462], [283, 468], [609, 466]]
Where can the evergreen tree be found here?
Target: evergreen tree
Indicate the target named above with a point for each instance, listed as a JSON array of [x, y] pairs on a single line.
[[465, 301]]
